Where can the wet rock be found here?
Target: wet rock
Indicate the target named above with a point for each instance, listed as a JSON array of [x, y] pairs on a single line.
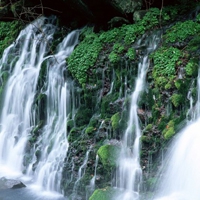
[[141, 114], [10, 183]]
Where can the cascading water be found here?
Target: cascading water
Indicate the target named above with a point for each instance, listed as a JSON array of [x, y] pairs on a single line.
[[18, 115], [129, 173], [23, 69], [53, 143], [180, 178]]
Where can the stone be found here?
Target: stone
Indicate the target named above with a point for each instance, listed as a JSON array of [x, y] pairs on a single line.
[[126, 6], [10, 183]]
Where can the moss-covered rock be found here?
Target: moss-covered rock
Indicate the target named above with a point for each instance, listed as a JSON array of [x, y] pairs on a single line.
[[104, 194], [115, 121], [108, 155], [169, 131]]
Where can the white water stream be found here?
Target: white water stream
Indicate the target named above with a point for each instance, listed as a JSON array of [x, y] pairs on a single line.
[[53, 144], [180, 178], [129, 173], [18, 114]]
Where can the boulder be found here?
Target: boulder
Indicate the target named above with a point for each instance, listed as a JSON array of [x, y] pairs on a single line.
[[10, 183], [126, 6]]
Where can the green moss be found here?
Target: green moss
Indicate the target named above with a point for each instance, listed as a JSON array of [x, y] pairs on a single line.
[[89, 130], [115, 120], [148, 127], [192, 67], [114, 57], [8, 33], [169, 131], [176, 99], [131, 53], [83, 116], [108, 155], [104, 194], [181, 31], [106, 110]]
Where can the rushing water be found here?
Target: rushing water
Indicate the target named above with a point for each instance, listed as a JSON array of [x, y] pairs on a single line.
[[129, 173], [17, 115], [19, 112], [180, 178], [53, 143]]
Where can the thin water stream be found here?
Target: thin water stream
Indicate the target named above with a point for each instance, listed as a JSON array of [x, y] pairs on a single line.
[[129, 173]]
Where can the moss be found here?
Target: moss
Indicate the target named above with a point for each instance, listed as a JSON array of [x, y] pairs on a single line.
[[108, 155], [104, 194], [106, 110], [114, 57], [181, 31], [83, 115], [131, 54], [70, 124], [169, 131], [177, 99], [115, 120], [89, 130], [191, 67], [148, 127], [8, 33]]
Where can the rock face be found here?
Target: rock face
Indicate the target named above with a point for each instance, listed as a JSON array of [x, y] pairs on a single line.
[[74, 12], [10, 184], [126, 6]]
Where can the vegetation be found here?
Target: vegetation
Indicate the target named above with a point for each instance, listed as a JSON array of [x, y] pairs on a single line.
[[109, 155], [105, 65], [105, 193], [8, 33]]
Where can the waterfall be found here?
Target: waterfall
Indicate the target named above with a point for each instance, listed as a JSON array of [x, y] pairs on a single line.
[[23, 60], [129, 173], [180, 178], [53, 144], [19, 113]]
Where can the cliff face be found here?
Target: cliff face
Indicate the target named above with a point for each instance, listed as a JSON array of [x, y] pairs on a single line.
[[77, 13], [105, 65], [104, 68]]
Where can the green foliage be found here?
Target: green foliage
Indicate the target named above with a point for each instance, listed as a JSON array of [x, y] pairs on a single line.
[[108, 155], [115, 120], [181, 31], [89, 130], [118, 48], [194, 43], [104, 194], [8, 33], [84, 57], [192, 67], [151, 19], [114, 42], [114, 57], [131, 53], [165, 61], [169, 131], [176, 99], [148, 127]]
